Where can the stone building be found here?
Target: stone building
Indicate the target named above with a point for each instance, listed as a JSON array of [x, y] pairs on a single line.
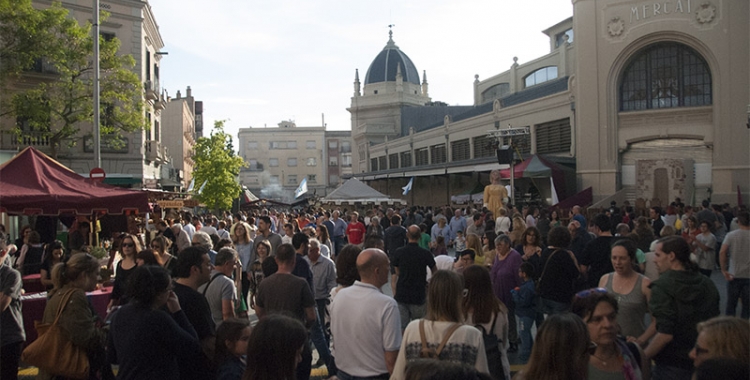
[[643, 99], [138, 162], [180, 132], [279, 158]]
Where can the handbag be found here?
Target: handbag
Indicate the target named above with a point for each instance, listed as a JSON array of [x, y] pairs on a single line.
[[53, 352]]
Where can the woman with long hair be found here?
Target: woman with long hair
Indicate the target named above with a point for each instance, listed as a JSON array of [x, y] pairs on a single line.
[[230, 356], [504, 275], [346, 268], [475, 242], [488, 246], [146, 257], [240, 233], [561, 350], [129, 246], [531, 248], [519, 227], [255, 273], [443, 322], [613, 358], [725, 337], [160, 245], [483, 309], [144, 340], [54, 254], [632, 290], [275, 348], [72, 279], [326, 247], [554, 219], [645, 233], [691, 229]]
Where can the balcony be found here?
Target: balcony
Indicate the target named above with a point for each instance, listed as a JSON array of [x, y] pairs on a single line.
[[155, 151], [11, 140], [160, 103], [152, 89]]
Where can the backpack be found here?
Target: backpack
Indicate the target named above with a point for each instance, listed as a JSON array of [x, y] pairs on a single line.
[[492, 349], [428, 352]]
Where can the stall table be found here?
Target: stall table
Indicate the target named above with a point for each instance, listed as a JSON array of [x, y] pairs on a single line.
[[32, 283]]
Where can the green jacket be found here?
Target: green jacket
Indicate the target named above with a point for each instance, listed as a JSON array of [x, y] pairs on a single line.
[[679, 301]]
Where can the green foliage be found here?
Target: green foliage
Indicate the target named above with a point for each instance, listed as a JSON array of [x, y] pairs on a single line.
[[55, 104], [218, 165]]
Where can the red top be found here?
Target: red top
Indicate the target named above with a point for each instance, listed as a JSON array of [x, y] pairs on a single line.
[[356, 232]]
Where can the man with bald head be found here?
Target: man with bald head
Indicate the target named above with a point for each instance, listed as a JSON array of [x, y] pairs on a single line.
[[410, 263], [365, 323]]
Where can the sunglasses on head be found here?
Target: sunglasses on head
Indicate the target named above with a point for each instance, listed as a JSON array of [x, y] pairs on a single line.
[[588, 292]]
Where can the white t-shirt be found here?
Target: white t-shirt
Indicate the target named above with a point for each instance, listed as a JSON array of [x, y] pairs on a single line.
[[365, 323], [738, 242], [502, 225]]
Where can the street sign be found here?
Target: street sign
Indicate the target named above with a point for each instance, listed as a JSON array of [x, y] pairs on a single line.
[[97, 174]]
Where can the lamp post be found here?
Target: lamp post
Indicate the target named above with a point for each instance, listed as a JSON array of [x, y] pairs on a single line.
[[499, 134], [97, 132]]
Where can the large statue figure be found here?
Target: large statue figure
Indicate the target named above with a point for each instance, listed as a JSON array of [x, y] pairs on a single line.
[[495, 194]]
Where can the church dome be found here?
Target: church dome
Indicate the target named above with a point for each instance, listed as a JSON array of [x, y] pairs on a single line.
[[384, 67]]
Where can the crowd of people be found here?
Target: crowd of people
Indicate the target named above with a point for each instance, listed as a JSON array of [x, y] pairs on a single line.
[[609, 296]]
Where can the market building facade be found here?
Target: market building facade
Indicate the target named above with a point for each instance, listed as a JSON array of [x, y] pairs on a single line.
[[643, 99]]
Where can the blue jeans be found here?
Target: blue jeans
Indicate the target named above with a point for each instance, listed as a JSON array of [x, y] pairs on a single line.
[[738, 289], [321, 345], [663, 372], [524, 329]]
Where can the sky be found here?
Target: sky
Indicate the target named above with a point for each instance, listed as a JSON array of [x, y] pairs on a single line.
[[256, 63]]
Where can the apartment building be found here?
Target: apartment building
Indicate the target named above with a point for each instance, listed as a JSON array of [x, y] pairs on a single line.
[[180, 132], [280, 158], [136, 163]]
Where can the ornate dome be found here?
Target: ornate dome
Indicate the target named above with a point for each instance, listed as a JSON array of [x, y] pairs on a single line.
[[384, 67]]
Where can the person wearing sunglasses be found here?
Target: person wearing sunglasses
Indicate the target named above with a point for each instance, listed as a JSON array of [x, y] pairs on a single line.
[[612, 358], [129, 248]]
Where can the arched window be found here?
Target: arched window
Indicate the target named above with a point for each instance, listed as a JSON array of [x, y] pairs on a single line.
[[495, 92], [665, 75], [540, 76]]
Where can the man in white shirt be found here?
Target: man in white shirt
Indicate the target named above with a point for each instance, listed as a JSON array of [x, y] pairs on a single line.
[[188, 226], [365, 323]]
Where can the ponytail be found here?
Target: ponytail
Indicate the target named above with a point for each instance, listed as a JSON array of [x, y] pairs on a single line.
[[69, 270]]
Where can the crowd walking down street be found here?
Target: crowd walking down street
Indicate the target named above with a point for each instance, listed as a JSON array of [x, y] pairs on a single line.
[[388, 297]]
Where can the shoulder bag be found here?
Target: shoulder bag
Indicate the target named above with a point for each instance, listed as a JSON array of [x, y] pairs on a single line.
[[539, 282], [492, 349], [53, 352], [432, 353]]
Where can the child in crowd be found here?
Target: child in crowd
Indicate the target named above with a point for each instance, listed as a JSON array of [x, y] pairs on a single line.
[[231, 349], [523, 297], [460, 242]]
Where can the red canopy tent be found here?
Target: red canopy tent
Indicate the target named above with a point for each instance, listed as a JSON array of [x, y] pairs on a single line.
[[32, 183]]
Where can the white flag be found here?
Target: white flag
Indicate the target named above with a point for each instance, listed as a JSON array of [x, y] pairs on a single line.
[[202, 186], [408, 186], [301, 189], [192, 184]]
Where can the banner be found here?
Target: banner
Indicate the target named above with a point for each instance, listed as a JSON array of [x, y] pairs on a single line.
[[301, 189]]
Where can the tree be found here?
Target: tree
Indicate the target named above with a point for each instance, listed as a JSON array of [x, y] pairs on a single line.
[[217, 166], [55, 107]]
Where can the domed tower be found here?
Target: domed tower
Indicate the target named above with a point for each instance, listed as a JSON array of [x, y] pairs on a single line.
[[391, 84]]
